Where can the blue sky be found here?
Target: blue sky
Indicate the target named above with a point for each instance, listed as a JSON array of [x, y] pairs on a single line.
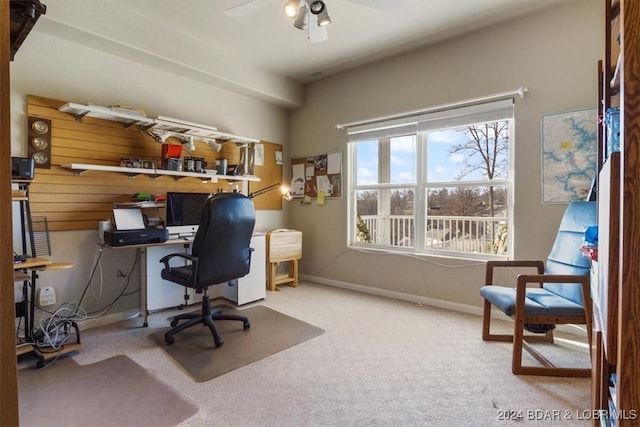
[[441, 166]]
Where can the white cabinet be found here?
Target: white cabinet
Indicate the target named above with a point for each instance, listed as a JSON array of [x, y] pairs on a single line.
[[251, 287]]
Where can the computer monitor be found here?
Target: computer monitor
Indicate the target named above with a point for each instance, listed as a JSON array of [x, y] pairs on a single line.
[[183, 213]]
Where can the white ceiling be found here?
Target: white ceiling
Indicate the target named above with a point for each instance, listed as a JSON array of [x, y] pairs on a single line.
[[261, 53]]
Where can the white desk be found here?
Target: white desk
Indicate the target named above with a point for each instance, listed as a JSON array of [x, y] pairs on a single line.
[[157, 293]]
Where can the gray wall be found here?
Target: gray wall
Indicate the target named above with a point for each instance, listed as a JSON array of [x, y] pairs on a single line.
[[55, 68], [554, 53]]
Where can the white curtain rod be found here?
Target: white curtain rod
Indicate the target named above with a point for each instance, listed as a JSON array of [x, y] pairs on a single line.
[[520, 91]]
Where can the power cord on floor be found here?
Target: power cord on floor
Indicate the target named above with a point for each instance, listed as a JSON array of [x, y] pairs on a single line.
[[54, 331]]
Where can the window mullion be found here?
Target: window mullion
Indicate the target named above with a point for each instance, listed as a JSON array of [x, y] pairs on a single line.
[[384, 174], [419, 208]]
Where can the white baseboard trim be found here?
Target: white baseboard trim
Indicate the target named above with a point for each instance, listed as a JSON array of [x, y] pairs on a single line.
[[453, 306]]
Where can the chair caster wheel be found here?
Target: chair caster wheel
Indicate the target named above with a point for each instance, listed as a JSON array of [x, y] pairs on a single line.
[[169, 340], [218, 342], [174, 323], [40, 364], [246, 325]]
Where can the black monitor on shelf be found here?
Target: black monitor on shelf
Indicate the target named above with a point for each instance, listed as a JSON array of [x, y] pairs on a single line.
[[183, 213]]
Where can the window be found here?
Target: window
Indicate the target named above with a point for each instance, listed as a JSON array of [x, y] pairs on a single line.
[[434, 183]]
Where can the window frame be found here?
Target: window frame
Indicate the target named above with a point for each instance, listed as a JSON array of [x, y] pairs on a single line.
[[421, 186]]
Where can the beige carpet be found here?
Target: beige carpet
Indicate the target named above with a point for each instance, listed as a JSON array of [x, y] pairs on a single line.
[[270, 332], [380, 362], [112, 392]]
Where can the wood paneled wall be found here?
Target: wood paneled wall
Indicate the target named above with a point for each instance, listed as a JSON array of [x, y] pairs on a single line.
[[73, 202]]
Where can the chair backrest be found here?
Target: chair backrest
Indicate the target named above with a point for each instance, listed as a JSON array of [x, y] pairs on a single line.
[[223, 238], [565, 256]]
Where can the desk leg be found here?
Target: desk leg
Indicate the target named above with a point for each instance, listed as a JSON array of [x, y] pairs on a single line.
[[24, 309], [32, 306], [143, 287]]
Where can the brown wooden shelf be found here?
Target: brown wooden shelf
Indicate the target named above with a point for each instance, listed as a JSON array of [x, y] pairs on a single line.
[[617, 288]]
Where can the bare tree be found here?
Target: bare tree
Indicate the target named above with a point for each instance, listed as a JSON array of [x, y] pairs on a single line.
[[486, 150]]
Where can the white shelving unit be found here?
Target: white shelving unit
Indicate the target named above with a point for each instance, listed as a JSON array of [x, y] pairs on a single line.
[[79, 168], [159, 128], [131, 118]]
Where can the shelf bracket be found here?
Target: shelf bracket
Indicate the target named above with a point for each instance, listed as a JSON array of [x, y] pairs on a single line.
[[78, 117]]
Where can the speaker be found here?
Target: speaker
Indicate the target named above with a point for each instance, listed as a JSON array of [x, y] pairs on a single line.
[[22, 168], [39, 142]]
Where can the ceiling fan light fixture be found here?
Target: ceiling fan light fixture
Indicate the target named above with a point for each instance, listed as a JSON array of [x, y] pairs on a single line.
[[291, 8], [317, 7], [323, 18], [302, 18]]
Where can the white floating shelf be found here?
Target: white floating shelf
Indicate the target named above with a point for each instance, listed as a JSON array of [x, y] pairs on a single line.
[[131, 117], [116, 115], [79, 168]]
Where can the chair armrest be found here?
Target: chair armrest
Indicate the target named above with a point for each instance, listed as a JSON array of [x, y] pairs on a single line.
[[491, 265], [525, 279], [167, 258]]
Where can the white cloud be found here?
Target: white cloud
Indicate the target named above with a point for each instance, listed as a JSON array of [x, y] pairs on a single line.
[[440, 173], [404, 144], [366, 176], [457, 158]]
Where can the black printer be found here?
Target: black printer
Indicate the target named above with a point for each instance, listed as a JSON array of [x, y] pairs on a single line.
[[140, 236]]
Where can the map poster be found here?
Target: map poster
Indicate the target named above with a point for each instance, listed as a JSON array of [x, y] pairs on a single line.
[[569, 155]]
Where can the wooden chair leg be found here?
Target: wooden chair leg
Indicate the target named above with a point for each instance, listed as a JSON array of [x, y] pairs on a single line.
[[486, 326], [521, 341], [518, 338], [486, 321]]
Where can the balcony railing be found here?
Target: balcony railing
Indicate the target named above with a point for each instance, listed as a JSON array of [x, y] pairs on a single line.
[[481, 235]]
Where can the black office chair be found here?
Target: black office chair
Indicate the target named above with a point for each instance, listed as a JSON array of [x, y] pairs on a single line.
[[220, 254]]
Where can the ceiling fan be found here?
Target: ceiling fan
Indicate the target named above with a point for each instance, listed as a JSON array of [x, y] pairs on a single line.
[[310, 15]]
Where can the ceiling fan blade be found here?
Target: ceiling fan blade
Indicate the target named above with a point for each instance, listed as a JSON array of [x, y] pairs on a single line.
[[247, 7], [317, 34]]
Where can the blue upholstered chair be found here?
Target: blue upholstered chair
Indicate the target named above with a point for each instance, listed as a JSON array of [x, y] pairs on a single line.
[[562, 294]]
